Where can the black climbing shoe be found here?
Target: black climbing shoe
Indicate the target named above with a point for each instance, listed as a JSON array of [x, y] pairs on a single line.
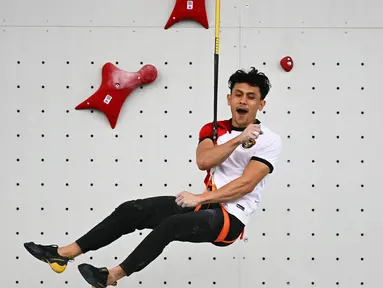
[[48, 254], [97, 277]]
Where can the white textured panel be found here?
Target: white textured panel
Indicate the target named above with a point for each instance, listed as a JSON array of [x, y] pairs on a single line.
[[79, 13], [337, 193], [79, 149], [310, 13], [234, 13], [132, 13]]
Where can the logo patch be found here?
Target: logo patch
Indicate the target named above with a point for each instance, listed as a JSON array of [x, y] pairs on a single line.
[[241, 207], [248, 144]]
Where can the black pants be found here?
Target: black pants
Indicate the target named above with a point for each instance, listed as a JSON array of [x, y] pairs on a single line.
[[169, 222]]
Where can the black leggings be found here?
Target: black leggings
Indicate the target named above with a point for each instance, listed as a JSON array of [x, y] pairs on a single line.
[[169, 222]]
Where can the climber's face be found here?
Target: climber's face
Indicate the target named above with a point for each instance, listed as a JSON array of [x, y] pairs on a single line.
[[245, 101]]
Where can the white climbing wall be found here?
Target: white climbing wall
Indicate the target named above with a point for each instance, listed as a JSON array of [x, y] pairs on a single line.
[[63, 170]]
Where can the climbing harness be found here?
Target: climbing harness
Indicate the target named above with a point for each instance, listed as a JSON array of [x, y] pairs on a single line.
[[210, 186]]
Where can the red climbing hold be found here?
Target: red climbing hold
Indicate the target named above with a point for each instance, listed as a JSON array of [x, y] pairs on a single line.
[[287, 63], [115, 87], [188, 9]]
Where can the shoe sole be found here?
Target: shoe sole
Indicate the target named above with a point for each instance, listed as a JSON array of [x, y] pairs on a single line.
[[86, 272], [33, 249]]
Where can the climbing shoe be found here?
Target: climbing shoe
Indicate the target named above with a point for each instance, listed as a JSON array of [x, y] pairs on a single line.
[[48, 254], [96, 277]]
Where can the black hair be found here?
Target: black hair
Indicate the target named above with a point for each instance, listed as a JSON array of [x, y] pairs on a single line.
[[253, 78]]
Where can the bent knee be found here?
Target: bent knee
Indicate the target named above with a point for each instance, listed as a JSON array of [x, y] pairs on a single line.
[[135, 205], [127, 211]]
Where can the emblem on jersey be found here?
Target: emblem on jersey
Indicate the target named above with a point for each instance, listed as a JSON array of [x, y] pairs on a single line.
[[248, 144]]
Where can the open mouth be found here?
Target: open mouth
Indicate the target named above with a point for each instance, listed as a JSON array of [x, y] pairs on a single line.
[[242, 111]]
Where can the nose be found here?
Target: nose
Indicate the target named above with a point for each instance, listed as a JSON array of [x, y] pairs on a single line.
[[242, 100]]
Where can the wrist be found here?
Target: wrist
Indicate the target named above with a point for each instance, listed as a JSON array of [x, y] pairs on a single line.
[[204, 198], [237, 140]]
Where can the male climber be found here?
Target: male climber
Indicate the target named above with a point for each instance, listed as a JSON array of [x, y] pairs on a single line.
[[238, 164]]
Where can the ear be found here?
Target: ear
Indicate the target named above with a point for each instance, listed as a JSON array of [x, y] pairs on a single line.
[[262, 105], [228, 97]]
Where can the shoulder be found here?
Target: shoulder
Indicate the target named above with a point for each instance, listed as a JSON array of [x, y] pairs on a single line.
[[222, 124], [206, 131]]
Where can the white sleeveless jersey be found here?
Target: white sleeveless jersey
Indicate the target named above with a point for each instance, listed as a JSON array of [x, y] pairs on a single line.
[[267, 149]]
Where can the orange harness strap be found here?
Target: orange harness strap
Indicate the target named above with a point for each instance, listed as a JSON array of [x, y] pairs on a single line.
[[226, 219]]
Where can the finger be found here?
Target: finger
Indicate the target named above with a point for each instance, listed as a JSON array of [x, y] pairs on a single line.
[[259, 129], [179, 201], [257, 126]]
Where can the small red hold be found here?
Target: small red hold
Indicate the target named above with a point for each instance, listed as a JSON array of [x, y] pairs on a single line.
[[188, 9], [287, 63], [115, 87]]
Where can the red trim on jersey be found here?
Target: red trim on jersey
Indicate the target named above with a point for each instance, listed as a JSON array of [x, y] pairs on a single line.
[[206, 131]]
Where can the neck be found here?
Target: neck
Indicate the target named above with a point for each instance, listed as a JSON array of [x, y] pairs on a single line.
[[236, 126]]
